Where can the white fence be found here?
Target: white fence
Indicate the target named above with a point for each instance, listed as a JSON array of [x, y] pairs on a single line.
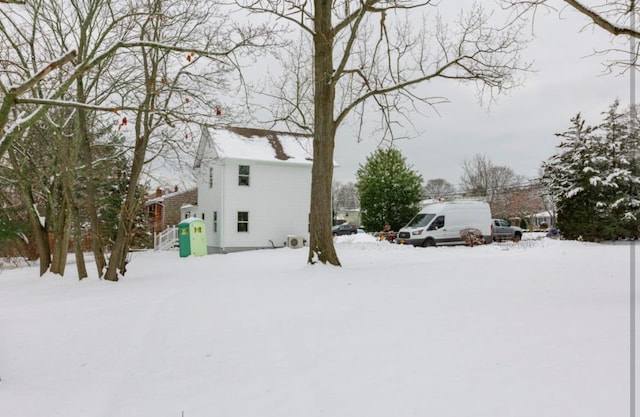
[[166, 240]]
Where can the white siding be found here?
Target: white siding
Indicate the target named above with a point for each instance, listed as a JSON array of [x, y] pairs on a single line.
[[210, 201], [277, 200]]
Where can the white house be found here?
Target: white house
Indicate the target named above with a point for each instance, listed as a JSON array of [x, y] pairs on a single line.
[[254, 188], [543, 220]]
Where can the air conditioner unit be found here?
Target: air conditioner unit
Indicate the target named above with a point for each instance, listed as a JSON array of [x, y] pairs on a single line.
[[295, 241]]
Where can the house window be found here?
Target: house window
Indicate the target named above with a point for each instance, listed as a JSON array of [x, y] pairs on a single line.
[[202, 216], [243, 175], [215, 221], [210, 177], [243, 221]]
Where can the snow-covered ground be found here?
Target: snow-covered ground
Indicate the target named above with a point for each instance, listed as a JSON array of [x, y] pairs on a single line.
[[538, 328]]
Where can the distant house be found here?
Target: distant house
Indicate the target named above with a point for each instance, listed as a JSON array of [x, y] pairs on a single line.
[[254, 188], [543, 220], [351, 216], [166, 207]]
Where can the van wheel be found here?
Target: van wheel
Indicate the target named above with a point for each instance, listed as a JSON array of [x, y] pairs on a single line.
[[517, 237], [428, 242]]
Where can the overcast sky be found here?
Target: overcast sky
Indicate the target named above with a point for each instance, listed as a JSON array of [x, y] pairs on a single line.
[[518, 131]]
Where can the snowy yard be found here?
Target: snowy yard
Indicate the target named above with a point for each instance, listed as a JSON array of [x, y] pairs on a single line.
[[538, 328]]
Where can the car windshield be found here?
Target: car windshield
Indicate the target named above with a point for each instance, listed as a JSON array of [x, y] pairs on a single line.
[[421, 220]]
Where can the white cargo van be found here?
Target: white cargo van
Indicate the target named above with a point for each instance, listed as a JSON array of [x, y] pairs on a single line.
[[441, 223]]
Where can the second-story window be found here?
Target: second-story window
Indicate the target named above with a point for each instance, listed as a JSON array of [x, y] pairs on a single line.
[[210, 177], [243, 175]]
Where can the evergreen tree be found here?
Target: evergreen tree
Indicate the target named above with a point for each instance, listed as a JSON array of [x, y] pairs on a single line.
[[111, 182], [390, 191], [593, 177], [565, 178], [617, 175], [12, 226]]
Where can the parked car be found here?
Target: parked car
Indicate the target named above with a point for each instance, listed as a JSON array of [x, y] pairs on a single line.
[[503, 230], [344, 229], [443, 223], [554, 233]]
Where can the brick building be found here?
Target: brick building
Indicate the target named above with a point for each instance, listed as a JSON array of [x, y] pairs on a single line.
[[163, 207]]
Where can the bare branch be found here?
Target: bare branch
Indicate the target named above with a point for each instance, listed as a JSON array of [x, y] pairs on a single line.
[[599, 20], [603, 19], [18, 90]]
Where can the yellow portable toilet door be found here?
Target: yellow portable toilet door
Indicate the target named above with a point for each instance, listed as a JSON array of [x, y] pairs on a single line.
[[198, 238]]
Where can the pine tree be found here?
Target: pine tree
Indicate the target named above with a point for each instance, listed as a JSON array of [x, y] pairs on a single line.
[[618, 175], [390, 191], [593, 179], [564, 174]]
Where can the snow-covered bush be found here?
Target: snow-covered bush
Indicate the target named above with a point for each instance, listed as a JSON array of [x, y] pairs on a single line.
[[593, 178]]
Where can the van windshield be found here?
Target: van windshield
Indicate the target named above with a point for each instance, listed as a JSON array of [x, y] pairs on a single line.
[[421, 220]]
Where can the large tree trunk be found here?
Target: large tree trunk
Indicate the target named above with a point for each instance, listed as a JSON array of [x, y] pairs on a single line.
[[41, 239], [61, 238], [321, 246], [81, 267], [120, 249], [68, 177], [42, 246], [76, 225], [130, 208], [97, 245], [39, 230]]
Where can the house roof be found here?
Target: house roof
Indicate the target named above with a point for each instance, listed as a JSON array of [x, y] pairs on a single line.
[[256, 144], [169, 196]]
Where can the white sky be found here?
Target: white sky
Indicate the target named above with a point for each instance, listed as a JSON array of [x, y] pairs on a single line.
[[519, 130], [538, 328]]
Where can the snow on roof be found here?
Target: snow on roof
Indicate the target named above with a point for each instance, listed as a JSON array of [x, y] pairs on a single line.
[[190, 220], [543, 214], [164, 196], [261, 145]]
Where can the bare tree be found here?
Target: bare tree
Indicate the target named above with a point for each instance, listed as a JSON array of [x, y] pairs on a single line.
[[142, 62], [171, 88], [613, 16], [522, 201], [438, 187], [44, 178], [368, 56], [345, 196], [481, 177]]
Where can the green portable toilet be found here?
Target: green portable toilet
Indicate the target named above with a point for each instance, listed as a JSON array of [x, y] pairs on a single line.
[[192, 238]]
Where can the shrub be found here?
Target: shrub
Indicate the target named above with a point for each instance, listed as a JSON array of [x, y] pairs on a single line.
[[472, 237]]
